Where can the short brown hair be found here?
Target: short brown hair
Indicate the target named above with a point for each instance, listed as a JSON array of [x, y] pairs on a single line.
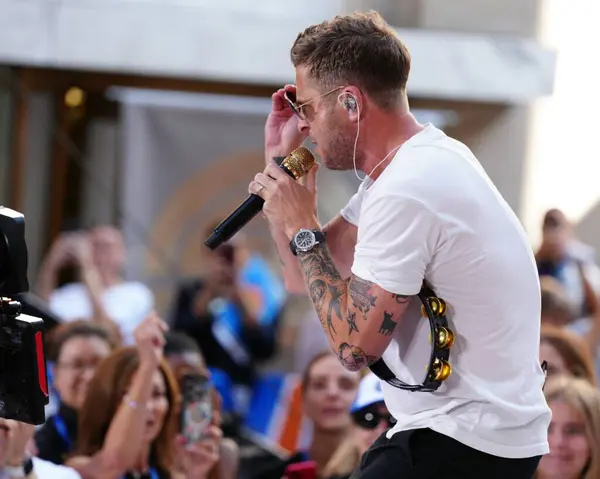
[[77, 329], [359, 49]]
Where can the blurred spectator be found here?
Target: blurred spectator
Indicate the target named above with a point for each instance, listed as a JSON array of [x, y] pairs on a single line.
[[227, 466], [560, 256], [557, 308], [233, 314], [566, 353], [181, 350], [128, 423], [370, 419], [16, 460], [75, 351], [328, 391], [589, 327], [574, 434], [101, 294]]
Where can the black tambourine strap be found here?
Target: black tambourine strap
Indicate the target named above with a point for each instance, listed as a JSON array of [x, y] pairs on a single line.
[[430, 384]]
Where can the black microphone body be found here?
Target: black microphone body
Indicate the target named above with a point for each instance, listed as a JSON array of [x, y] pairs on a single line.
[[240, 216]]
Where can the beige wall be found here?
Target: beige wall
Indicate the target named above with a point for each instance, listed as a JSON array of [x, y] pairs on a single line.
[[518, 17]]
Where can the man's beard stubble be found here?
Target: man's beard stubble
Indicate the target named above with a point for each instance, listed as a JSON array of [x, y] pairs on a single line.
[[338, 154]]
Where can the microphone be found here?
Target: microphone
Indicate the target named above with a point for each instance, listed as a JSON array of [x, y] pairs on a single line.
[[296, 164]]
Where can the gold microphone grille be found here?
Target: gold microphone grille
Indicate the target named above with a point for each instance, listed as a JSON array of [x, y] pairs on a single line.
[[299, 161]]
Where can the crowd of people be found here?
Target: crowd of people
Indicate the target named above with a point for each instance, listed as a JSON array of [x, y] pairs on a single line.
[[569, 343], [116, 377]]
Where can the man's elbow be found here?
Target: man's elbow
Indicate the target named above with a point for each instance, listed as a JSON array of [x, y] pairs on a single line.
[[357, 356]]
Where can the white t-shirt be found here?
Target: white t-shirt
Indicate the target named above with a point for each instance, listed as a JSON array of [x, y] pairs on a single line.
[[47, 470], [434, 213], [127, 304]]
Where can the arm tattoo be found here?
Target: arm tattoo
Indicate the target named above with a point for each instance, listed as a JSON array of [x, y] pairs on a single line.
[[388, 324], [331, 295], [351, 320], [317, 290], [354, 358], [335, 295], [326, 286], [318, 262], [401, 298], [361, 295]]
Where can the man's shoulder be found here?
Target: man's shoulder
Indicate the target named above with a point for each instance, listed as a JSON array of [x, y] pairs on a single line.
[[435, 172]]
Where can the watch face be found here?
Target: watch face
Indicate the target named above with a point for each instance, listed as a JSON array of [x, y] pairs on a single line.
[[305, 240]]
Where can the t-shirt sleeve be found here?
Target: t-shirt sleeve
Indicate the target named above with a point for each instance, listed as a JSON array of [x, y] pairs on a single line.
[[351, 212], [397, 238]]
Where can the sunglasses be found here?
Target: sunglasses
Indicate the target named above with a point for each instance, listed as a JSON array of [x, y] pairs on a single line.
[[371, 418], [290, 98]]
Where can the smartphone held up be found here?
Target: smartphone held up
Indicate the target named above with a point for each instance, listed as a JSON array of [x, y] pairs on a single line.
[[197, 407]]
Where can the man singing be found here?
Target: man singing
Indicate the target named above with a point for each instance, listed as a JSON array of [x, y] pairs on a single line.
[[425, 211]]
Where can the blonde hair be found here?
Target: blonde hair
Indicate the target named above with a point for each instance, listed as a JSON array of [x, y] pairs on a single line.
[[344, 460], [583, 397]]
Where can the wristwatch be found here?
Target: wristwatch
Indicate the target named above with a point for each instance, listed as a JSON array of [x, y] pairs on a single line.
[[20, 471], [305, 240]]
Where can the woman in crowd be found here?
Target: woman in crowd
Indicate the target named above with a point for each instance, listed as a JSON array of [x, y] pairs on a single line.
[[566, 353], [128, 423], [370, 419], [227, 465], [184, 357], [75, 350], [328, 393], [574, 434]]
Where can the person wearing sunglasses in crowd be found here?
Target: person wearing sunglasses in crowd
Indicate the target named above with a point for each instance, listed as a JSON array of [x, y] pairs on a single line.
[[370, 419]]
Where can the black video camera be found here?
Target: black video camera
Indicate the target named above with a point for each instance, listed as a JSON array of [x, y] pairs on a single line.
[[23, 381]]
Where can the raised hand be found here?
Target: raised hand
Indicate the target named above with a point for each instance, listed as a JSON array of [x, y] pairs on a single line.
[[281, 129], [150, 339], [197, 459]]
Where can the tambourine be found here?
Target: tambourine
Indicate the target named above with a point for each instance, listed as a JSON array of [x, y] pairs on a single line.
[[442, 339]]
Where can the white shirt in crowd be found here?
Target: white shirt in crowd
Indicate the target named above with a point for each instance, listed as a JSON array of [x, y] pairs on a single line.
[[47, 470], [434, 213], [127, 304]]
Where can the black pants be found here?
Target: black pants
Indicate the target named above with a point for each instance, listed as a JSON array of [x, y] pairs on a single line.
[[426, 454]]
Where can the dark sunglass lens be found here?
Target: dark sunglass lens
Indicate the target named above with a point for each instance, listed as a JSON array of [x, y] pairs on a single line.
[[367, 420], [290, 97]]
